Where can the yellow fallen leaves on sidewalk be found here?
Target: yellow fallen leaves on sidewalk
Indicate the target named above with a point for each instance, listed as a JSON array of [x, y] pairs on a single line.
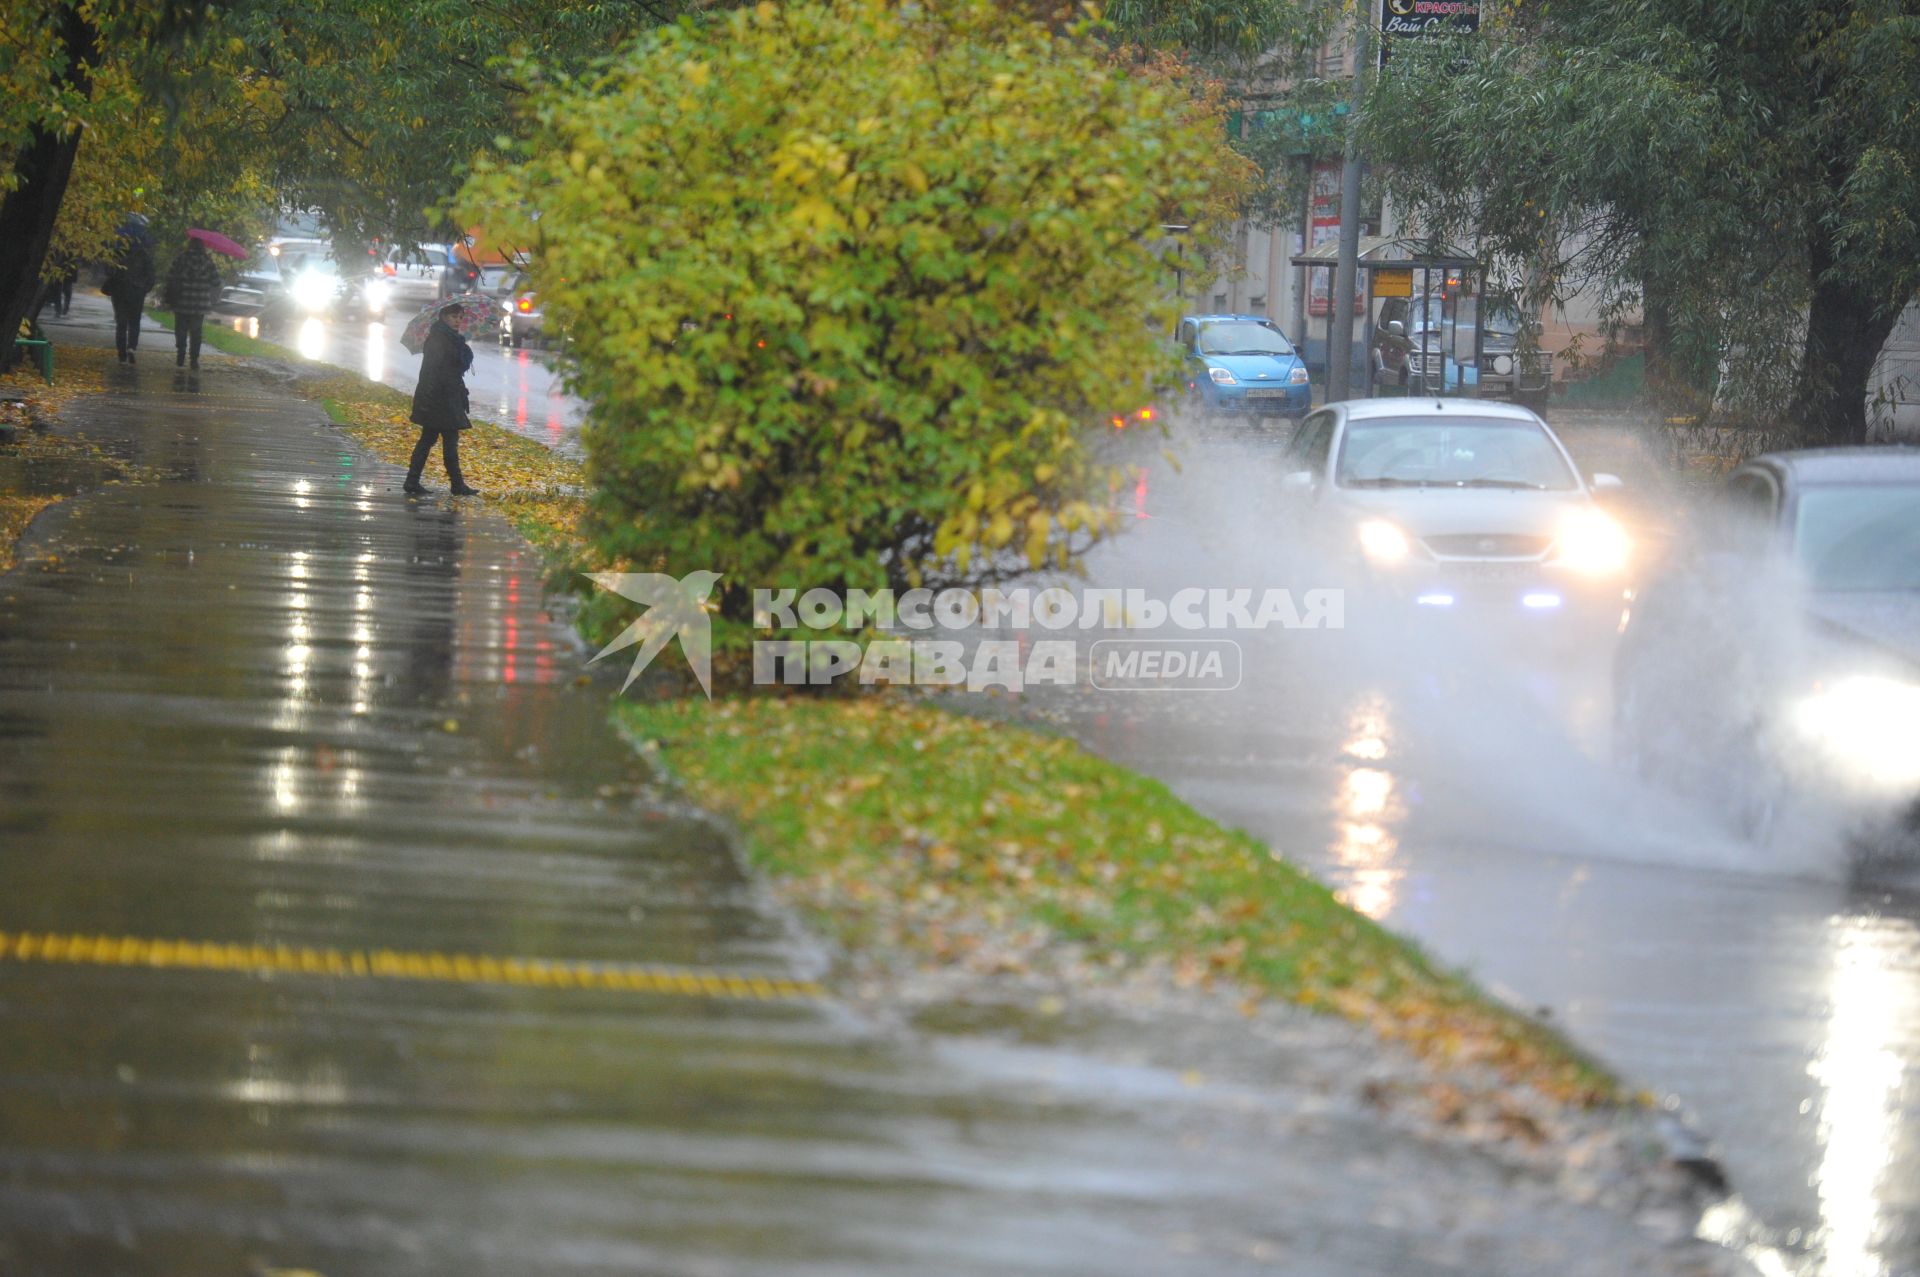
[[540, 491]]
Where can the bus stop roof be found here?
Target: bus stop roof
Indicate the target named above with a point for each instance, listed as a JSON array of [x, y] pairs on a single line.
[[1381, 252]]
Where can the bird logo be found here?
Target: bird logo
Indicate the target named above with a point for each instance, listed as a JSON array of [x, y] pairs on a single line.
[[674, 609]]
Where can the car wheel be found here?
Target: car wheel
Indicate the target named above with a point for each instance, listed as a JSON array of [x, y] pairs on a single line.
[[518, 341]]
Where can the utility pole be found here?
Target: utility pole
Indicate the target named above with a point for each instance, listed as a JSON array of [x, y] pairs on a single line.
[[1340, 330]]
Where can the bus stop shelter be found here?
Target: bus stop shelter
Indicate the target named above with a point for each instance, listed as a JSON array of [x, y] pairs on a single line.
[[1392, 267]]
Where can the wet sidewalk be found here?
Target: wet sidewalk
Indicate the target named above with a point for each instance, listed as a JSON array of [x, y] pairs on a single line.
[[269, 702]]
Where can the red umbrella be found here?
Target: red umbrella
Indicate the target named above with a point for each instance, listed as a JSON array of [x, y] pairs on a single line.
[[219, 243]]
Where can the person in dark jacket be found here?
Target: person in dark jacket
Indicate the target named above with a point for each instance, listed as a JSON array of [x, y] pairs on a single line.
[[440, 405], [56, 286], [193, 286], [65, 271], [128, 282]]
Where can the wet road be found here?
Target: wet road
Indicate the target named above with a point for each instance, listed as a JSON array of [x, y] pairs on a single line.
[[519, 389], [1465, 800], [269, 702]]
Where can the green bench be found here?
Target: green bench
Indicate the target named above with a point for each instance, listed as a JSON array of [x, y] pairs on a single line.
[[40, 350]]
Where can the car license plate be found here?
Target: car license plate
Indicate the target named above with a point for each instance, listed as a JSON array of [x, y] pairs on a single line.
[[1266, 394], [1501, 573]]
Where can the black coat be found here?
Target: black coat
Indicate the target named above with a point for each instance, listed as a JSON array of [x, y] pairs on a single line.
[[440, 398], [131, 277]]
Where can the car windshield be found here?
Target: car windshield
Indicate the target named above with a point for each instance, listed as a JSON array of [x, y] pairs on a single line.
[[1429, 312], [1865, 536], [295, 261], [1242, 337], [1504, 320], [1456, 452]]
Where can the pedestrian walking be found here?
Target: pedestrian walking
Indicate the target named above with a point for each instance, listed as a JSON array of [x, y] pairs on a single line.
[[193, 286], [128, 282], [56, 286], [65, 272], [440, 405]]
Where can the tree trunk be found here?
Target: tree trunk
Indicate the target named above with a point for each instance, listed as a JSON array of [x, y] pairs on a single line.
[[42, 167], [1846, 328], [1657, 332]]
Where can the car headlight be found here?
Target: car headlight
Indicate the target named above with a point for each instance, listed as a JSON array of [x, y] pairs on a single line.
[[1221, 377], [1381, 542], [1593, 544], [1866, 726], [376, 294], [1298, 377], [312, 290]]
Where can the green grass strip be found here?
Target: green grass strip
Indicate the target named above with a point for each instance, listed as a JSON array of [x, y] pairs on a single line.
[[898, 823]]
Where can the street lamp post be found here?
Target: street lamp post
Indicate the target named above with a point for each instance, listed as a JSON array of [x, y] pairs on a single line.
[[1340, 331]]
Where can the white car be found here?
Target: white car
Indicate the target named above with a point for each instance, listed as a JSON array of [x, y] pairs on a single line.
[[1457, 507], [414, 275]]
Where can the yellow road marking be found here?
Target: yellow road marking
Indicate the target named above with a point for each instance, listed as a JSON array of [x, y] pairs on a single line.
[[387, 964]]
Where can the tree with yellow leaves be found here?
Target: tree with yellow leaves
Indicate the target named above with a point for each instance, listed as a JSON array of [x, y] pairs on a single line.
[[853, 288]]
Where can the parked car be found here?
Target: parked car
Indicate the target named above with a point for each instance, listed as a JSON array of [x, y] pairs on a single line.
[[1774, 669], [1458, 508], [1505, 366], [1243, 365], [1510, 363]]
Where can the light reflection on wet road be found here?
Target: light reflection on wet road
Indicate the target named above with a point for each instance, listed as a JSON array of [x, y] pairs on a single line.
[[519, 389], [1472, 811]]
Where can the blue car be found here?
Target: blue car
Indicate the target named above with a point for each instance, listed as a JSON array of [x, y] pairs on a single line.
[[1243, 364]]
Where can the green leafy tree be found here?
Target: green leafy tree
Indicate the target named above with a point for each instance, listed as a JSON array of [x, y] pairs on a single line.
[[368, 111], [1748, 180], [384, 103], [851, 287], [65, 67], [1262, 60]]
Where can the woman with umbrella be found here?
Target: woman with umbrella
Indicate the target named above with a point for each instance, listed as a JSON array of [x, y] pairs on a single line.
[[440, 397], [193, 287]]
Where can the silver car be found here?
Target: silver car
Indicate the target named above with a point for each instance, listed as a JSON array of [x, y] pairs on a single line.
[[1456, 507], [1774, 669]]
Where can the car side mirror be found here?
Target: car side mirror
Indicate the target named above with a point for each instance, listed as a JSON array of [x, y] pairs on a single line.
[[1608, 483], [1297, 482]]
